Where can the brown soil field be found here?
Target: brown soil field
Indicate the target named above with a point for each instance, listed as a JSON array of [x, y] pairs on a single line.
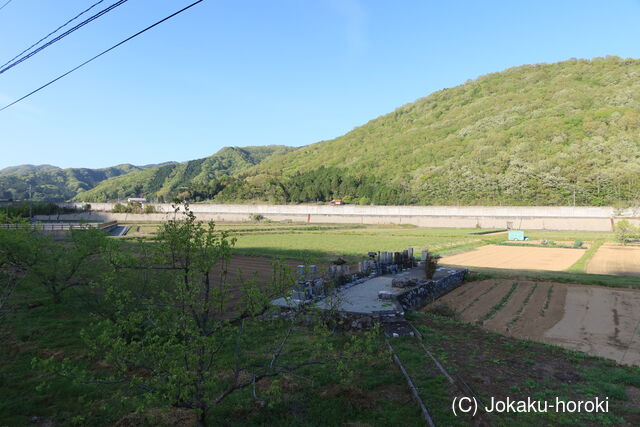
[[516, 257], [615, 259], [596, 320]]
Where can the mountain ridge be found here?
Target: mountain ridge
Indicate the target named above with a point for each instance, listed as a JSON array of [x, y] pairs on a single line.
[[543, 134], [164, 182]]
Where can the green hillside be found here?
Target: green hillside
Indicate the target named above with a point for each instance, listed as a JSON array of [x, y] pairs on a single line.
[[26, 169], [194, 177], [530, 135], [51, 183]]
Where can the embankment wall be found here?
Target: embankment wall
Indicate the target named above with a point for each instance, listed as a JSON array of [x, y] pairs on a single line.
[[570, 218]]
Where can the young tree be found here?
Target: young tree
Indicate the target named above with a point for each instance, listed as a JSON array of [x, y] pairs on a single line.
[[58, 264], [626, 232], [184, 335], [17, 256]]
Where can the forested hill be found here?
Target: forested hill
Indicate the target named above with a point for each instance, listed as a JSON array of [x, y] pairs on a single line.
[[53, 183], [194, 179], [530, 135]]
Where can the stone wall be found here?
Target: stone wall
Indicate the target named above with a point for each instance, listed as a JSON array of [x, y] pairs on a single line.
[[431, 290]]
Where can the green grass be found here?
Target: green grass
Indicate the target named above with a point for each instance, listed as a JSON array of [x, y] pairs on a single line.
[[555, 276], [539, 245], [355, 243], [30, 390], [569, 236], [515, 318], [498, 366], [580, 266]]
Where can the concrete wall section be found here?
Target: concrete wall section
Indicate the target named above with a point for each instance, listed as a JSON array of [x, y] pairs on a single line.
[[568, 218], [446, 211]]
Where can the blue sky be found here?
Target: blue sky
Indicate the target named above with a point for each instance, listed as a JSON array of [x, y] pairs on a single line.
[[293, 72]]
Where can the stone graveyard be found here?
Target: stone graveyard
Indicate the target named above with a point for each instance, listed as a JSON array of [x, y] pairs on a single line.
[[384, 285]]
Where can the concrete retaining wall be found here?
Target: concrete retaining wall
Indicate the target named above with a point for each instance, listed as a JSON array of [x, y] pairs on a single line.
[[570, 218]]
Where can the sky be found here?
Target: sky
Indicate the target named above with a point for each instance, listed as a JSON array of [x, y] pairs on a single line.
[[238, 73]]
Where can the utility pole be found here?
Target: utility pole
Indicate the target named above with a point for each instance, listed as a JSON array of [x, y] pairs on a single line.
[[30, 205]]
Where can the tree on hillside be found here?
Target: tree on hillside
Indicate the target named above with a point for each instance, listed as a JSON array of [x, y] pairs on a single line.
[[182, 334]]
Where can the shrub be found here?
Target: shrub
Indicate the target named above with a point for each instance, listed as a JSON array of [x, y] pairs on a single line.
[[444, 310], [149, 209], [119, 208], [577, 244], [626, 232]]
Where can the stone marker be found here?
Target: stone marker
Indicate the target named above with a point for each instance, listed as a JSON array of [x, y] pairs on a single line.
[[385, 295]]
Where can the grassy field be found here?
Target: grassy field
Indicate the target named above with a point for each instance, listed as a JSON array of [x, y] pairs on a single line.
[[497, 366], [327, 241], [492, 364], [39, 330]]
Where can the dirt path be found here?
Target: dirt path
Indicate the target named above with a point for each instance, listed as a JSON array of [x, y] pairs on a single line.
[[516, 257], [615, 259]]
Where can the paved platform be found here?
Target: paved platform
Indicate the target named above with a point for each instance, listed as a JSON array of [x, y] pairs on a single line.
[[363, 297]]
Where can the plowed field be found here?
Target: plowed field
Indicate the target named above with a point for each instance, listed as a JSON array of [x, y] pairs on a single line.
[[615, 259], [596, 320], [516, 257]]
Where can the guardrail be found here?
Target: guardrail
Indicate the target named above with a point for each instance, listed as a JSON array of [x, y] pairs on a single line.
[[54, 227]]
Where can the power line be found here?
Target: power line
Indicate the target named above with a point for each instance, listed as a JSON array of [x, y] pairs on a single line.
[[102, 53], [52, 32], [3, 6], [63, 35]]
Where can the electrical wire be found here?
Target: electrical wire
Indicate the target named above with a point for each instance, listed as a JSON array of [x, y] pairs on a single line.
[[63, 35], [54, 31], [4, 5], [102, 53]]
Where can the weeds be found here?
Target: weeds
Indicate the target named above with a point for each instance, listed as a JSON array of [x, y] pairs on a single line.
[[516, 317], [547, 301], [499, 305]]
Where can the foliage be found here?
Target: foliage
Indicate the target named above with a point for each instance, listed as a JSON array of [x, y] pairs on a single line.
[[626, 232], [53, 184], [22, 209], [194, 180], [545, 134], [17, 256], [59, 266], [183, 335], [256, 217]]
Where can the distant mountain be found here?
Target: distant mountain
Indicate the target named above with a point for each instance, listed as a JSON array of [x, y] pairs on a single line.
[[54, 184], [545, 134], [26, 169], [192, 178], [153, 165]]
